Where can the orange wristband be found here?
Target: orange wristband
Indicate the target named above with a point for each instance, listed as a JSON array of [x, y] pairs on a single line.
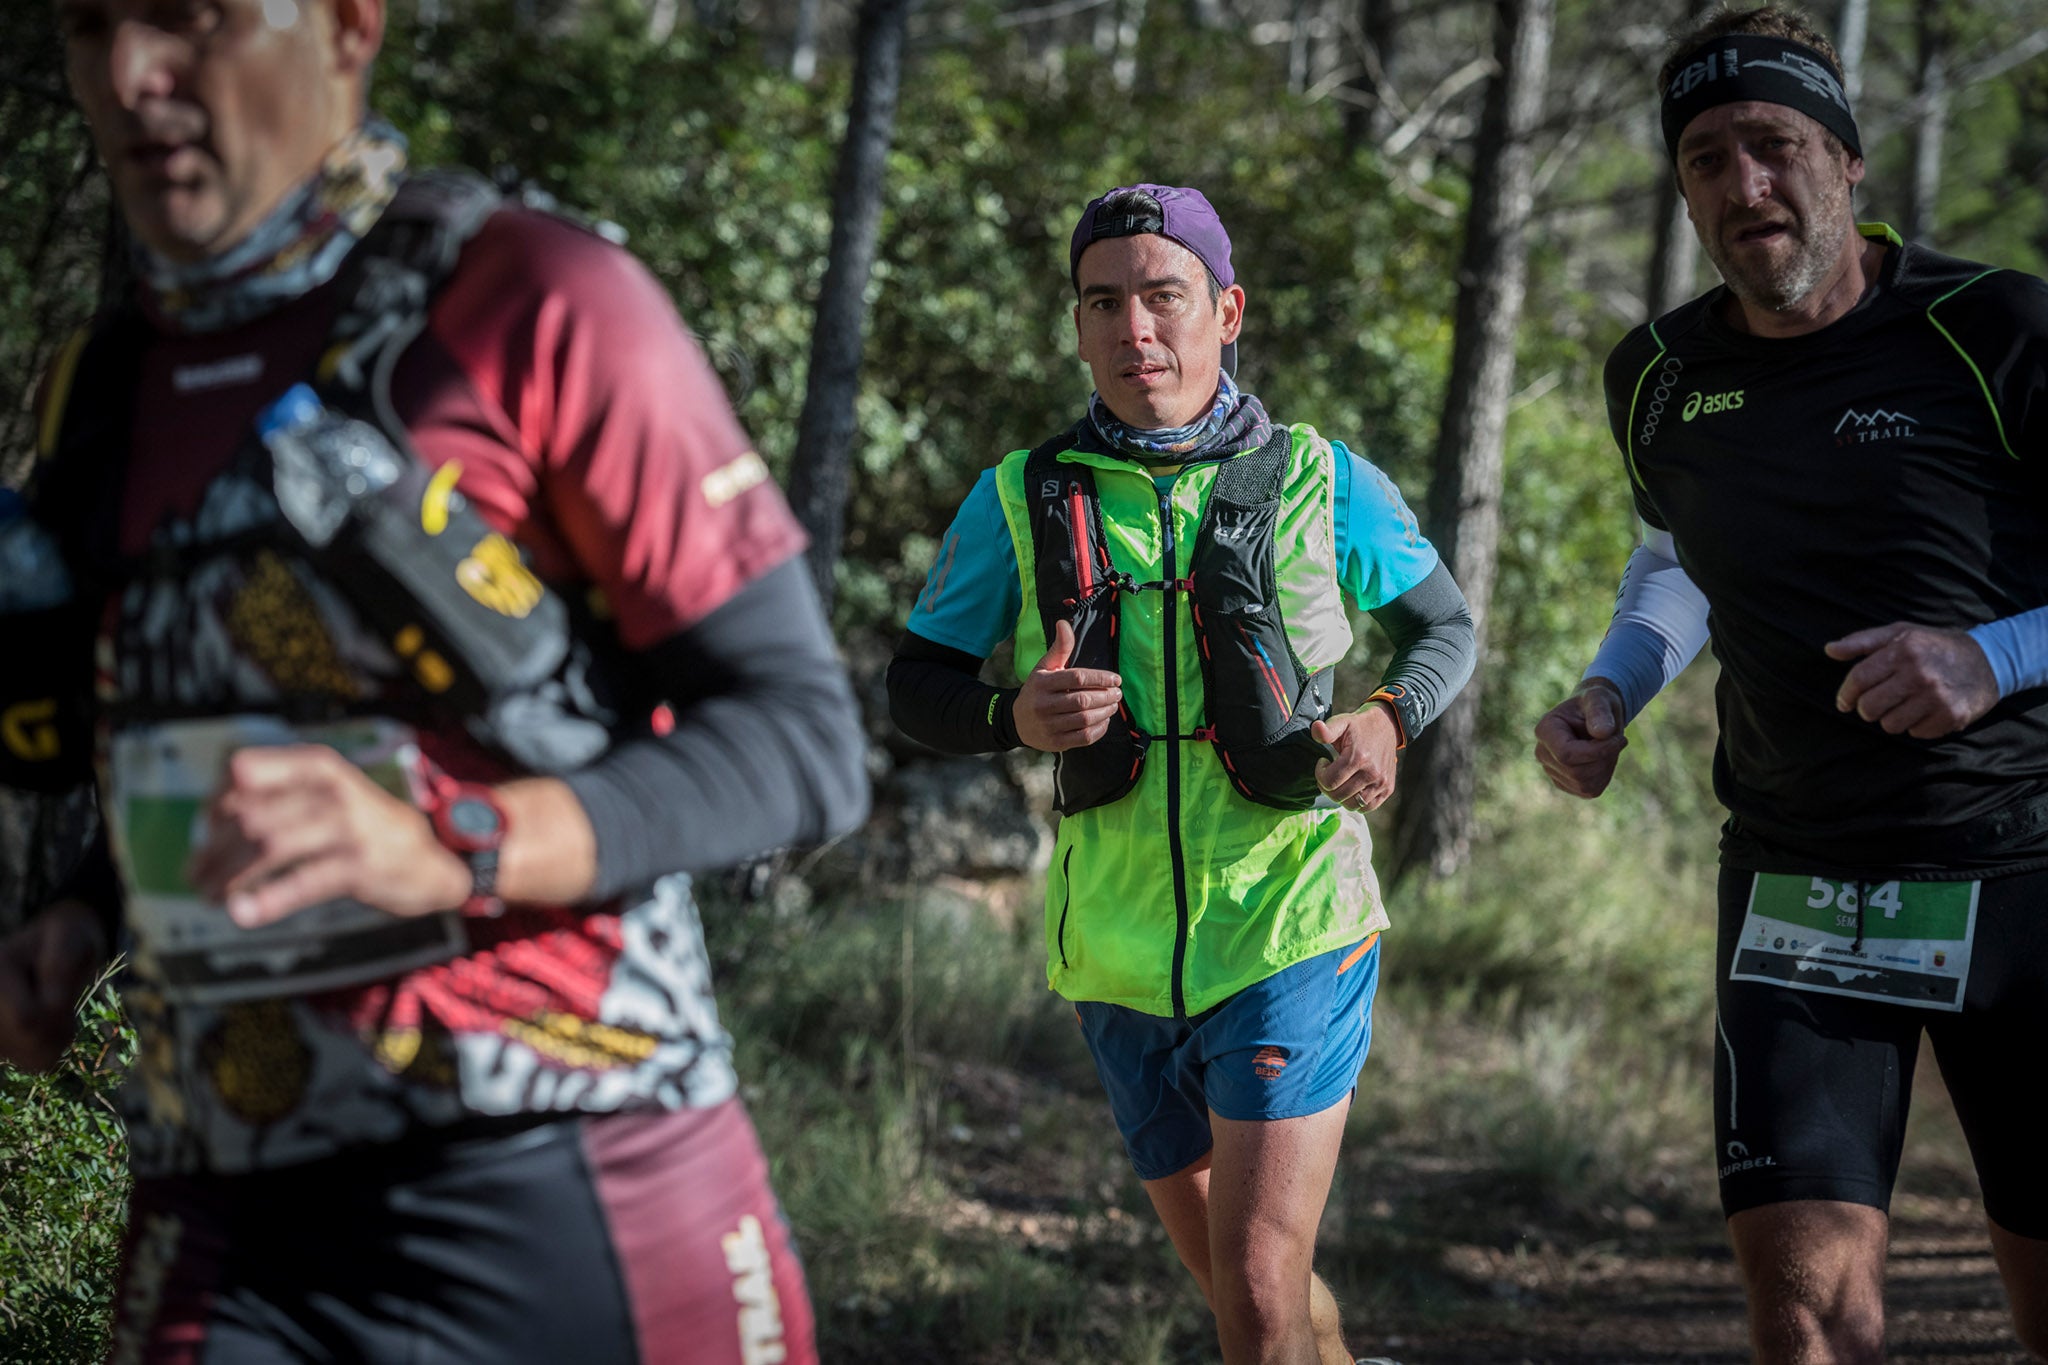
[[1391, 694]]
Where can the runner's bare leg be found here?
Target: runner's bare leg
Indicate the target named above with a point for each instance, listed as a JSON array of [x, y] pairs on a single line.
[[1182, 1202], [2023, 1265], [1249, 1242], [1813, 1270]]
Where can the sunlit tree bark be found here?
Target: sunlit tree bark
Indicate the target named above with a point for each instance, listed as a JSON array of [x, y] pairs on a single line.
[[1433, 827], [821, 472]]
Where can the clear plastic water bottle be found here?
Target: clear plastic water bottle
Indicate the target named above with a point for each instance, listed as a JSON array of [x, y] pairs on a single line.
[[323, 462], [32, 572]]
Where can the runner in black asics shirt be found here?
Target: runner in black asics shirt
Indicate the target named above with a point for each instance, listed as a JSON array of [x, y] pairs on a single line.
[[1837, 458], [1820, 483]]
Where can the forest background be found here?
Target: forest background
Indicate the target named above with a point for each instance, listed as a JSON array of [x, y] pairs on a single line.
[[1444, 213]]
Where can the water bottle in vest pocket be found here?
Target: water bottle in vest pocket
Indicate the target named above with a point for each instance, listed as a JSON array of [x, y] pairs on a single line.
[[489, 642]]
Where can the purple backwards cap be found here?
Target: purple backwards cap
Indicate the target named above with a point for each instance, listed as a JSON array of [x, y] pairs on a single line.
[[1184, 215]]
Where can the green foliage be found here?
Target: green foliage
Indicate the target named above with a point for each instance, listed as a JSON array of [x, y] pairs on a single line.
[[970, 349], [63, 1193], [715, 166], [51, 211], [1543, 1020], [971, 334], [954, 1178], [871, 1038], [1547, 1014]]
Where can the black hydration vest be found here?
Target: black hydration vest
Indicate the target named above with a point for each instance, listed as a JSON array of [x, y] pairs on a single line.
[[1259, 698], [530, 673]]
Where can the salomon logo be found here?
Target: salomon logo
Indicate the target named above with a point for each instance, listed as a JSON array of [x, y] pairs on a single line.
[[1879, 424], [1667, 380], [1707, 404]]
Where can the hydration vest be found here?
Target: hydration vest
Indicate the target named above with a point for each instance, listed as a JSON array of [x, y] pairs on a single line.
[[1260, 700], [532, 674]]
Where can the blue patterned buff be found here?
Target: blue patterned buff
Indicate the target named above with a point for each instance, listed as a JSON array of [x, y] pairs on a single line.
[[1235, 421], [294, 250]]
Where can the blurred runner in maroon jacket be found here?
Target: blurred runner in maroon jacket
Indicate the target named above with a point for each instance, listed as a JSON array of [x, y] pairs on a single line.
[[430, 1066]]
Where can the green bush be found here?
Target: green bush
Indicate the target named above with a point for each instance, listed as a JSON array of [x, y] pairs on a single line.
[[64, 1193]]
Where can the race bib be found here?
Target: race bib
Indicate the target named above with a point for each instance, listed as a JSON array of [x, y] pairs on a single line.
[[159, 780], [1909, 946]]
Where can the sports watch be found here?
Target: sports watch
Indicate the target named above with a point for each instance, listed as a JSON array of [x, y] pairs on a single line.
[[470, 823]]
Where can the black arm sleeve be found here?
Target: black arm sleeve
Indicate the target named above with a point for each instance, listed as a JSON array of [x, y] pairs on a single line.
[[56, 850], [96, 883], [937, 697], [768, 747], [1434, 649]]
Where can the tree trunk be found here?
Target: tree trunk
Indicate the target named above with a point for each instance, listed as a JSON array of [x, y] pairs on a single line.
[[1433, 826], [1931, 103], [1123, 72], [1851, 31], [1369, 114], [1674, 249], [1297, 46], [821, 477], [803, 47], [662, 16]]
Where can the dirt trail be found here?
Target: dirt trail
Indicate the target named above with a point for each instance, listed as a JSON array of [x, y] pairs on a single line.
[[1444, 1265], [1668, 1296], [1664, 1292]]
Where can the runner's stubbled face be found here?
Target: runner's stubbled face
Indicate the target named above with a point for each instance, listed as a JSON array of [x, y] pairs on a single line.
[[1144, 323], [207, 113], [1769, 193]]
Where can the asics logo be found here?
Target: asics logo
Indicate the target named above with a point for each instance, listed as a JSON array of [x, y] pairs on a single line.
[[1708, 404]]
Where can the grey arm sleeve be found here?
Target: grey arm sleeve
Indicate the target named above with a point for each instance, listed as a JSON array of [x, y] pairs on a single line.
[[768, 747], [1435, 649]]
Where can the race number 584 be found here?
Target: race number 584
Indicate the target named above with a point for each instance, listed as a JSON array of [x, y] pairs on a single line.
[[1842, 896]]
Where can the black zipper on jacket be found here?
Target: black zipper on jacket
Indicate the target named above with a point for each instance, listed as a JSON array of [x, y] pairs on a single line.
[[1170, 655], [1066, 903]]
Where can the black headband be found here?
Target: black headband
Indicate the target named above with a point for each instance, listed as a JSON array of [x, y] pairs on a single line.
[[1748, 66]]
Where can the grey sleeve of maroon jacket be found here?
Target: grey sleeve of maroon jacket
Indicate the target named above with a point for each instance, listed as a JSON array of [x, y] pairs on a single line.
[[1435, 649], [768, 747]]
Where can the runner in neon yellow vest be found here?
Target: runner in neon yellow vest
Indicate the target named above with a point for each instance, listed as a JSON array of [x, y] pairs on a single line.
[[1176, 563]]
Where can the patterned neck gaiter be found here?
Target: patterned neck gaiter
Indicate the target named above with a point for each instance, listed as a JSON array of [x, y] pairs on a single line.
[[1234, 422], [295, 250]]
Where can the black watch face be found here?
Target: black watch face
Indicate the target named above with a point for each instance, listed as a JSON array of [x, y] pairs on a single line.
[[473, 819]]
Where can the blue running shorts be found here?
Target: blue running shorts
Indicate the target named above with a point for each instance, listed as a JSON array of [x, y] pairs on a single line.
[[1288, 1046]]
